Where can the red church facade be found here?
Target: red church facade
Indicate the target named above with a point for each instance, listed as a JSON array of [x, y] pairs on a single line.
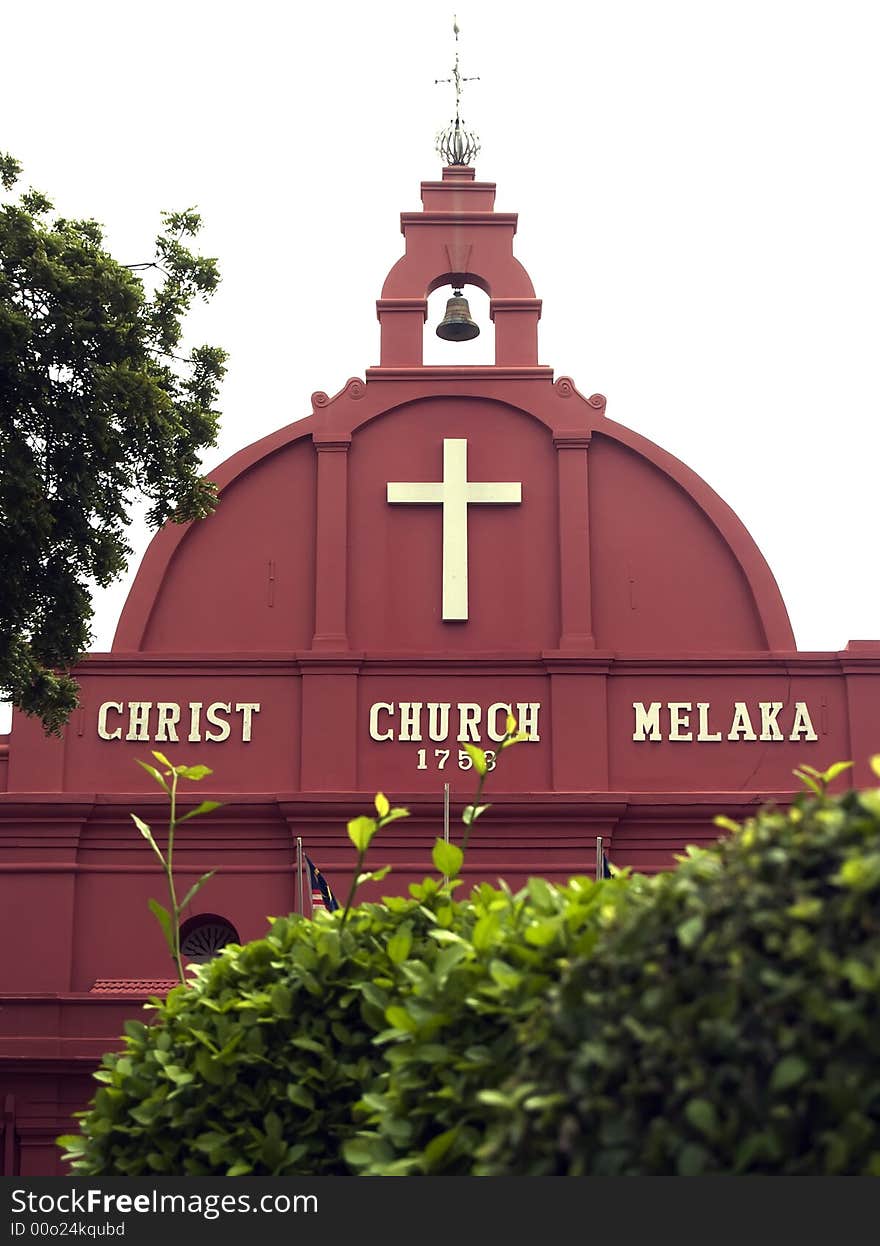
[[382, 583]]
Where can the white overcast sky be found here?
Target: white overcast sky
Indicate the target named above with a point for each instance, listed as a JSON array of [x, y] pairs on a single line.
[[698, 193]]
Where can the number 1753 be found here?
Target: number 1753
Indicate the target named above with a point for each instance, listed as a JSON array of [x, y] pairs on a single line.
[[442, 756]]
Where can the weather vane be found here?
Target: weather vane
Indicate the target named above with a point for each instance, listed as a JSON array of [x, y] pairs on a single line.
[[456, 144]]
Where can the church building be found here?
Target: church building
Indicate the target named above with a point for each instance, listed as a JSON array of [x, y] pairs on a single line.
[[383, 582]]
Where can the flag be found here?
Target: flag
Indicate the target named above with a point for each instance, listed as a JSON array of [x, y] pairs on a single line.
[[604, 868], [322, 896]]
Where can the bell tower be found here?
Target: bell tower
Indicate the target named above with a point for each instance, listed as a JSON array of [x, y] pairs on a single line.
[[458, 239]]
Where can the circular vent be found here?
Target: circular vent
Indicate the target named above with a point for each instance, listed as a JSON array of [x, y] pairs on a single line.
[[201, 938]]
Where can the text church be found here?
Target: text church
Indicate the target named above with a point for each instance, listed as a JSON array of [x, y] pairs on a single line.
[[383, 582]]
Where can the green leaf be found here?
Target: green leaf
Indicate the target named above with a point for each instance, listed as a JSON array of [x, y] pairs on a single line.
[[308, 1044], [808, 780], [833, 771], [361, 831], [382, 805], [207, 806], [486, 931], [143, 827], [860, 975], [859, 873], [690, 931], [702, 1115], [541, 894], [373, 876], [477, 756], [393, 815], [401, 1019], [302, 1097], [874, 763], [196, 773], [153, 772], [399, 945], [447, 858], [542, 933], [163, 917], [438, 1148], [788, 1072], [160, 757], [806, 910], [471, 813], [148, 836], [726, 824], [196, 888]]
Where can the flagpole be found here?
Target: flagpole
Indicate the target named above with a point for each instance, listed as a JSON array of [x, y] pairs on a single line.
[[446, 821], [599, 871], [299, 876]]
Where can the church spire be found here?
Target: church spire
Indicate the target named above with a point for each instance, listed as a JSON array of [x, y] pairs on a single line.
[[457, 145]]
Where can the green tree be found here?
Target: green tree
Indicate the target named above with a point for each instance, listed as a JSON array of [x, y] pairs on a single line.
[[98, 406]]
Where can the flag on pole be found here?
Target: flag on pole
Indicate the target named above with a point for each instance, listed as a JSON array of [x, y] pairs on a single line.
[[322, 896], [603, 865]]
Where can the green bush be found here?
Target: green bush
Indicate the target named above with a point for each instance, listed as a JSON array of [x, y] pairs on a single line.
[[256, 1066], [411, 1007], [724, 1018], [458, 1016], [727, 1022]]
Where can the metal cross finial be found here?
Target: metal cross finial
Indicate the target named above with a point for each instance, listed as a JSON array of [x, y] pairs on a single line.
[[456, 144], [456, 75]]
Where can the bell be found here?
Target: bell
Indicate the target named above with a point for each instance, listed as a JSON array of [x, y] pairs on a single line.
[[456, 325]]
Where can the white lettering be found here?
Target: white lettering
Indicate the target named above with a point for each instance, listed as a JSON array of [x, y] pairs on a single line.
[[679, 716], [116, 733], [769, 714], [247, 709], [168, 718], [704, 733], [438, 720], [410, 720], [802, 725], [492, 728], [469, 716], [527, 718], [647, 723], [375, 710], [213, 716], [195, 722], [139, 720], [741, 727]]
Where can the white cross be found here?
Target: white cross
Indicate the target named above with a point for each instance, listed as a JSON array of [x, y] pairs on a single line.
[[454, 492]]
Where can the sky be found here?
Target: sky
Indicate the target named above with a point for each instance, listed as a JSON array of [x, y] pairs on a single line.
[[698, 195]]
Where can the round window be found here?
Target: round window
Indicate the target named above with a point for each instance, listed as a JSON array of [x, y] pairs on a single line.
[[202, 937]]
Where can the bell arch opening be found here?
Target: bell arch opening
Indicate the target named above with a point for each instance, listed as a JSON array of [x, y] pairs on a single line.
[[479, 350]]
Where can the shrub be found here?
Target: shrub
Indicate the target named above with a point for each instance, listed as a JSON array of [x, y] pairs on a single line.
[[325, 1048], [719, 1019], [456, 1022], [255, 1067], [727, 1022]]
